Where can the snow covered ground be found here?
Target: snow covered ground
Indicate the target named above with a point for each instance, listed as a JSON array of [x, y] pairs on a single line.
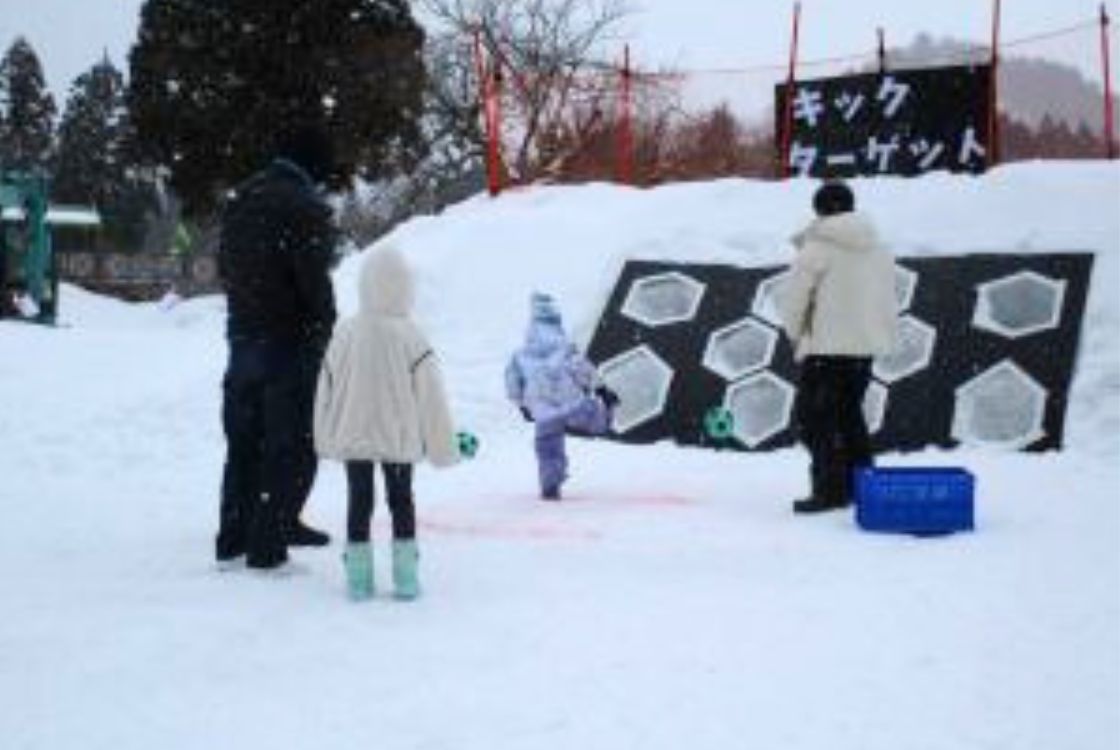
[[671, 601]]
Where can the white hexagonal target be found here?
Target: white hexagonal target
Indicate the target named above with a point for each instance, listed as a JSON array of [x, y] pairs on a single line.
[[905, 284], [912, 352], [740, 348], [761, 405], [641, 379], [765, 304], [1019, 305], [663, 299], [875, 406], [1002, 406]]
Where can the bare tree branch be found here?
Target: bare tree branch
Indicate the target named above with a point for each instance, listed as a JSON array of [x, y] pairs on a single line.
[[545, 51]]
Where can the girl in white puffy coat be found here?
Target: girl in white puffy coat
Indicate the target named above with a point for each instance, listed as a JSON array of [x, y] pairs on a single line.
[[381, 399]]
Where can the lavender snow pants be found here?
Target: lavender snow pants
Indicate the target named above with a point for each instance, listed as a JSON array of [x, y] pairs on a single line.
[[590, 416]]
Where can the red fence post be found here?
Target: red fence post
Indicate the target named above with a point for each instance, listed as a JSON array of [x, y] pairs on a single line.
[[624, 157], [993, 103], [485, 93], [490, 80], [494, 117], [786, 169], [1109, 111]]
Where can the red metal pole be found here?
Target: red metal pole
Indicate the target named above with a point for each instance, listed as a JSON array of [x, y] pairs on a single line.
[[786, 169], [494, 112], [993, 104], [625, 145], [1109, 112], [485, 98]]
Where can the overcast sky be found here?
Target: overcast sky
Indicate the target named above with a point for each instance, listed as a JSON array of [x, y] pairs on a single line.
[[70, 35]]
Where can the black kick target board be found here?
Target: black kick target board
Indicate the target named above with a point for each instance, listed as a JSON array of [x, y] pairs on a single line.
[[987, 350]]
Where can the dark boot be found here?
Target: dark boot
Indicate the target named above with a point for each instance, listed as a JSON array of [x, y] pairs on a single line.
[[267, 560], [819, 505], [265, 542], [266, 553], [300, 534], [829, 493], [830, 479], [607, 396], [229, 546]]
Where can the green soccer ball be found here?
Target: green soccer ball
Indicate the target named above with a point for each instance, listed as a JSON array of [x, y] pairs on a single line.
[[719, 423], [468, 444]]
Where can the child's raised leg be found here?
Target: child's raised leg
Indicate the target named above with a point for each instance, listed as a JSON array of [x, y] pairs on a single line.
[[590, 417]]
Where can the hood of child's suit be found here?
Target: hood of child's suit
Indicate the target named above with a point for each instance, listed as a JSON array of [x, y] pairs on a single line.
[[386, 286], [545, 338], [850, 231]]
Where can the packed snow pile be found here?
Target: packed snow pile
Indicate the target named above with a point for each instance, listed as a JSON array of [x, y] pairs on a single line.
[[671, 600], [479, 261]]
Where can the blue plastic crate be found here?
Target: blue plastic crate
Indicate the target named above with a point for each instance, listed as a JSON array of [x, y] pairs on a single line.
[[924, 501]]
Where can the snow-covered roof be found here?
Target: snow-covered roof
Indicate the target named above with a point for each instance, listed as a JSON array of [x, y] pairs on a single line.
[[60, 216]]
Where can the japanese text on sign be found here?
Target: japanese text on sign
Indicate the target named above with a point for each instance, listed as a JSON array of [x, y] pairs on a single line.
[[902, 123]]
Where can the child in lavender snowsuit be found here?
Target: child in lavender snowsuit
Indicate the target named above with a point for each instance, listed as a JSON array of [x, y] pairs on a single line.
[[557, 388]]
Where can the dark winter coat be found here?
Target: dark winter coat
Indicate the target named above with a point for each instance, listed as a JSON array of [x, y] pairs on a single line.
[[277, 247]]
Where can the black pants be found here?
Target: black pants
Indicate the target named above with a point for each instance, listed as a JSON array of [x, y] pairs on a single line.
[[398, 488], [268, 399], [829, 414], [307, 462]]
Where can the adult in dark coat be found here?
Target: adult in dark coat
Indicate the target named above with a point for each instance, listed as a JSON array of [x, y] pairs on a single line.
[[277, 247]]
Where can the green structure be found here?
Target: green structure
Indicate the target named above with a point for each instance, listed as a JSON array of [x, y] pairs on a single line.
[[28, 274]]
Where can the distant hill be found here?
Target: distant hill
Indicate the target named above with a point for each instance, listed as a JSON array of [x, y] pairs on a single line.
[[1030, 88]]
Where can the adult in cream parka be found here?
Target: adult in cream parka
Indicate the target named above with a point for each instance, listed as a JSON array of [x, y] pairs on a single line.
[[839, 311], [381, 399]]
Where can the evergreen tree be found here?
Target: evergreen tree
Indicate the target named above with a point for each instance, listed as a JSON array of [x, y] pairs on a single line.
[[96, 163], [91, 166], [27, 110], [213, 80]]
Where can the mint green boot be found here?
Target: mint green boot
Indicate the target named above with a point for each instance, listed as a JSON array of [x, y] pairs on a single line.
[[406, 557], [358, 559]]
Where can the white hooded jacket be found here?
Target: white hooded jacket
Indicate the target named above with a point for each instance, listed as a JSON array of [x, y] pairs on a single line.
[[839, 299], [380, 395]]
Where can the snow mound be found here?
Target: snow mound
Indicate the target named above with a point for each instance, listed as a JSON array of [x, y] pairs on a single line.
[[478, 262]]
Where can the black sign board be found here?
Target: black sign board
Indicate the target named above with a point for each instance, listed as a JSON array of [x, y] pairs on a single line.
[[896, 123]]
